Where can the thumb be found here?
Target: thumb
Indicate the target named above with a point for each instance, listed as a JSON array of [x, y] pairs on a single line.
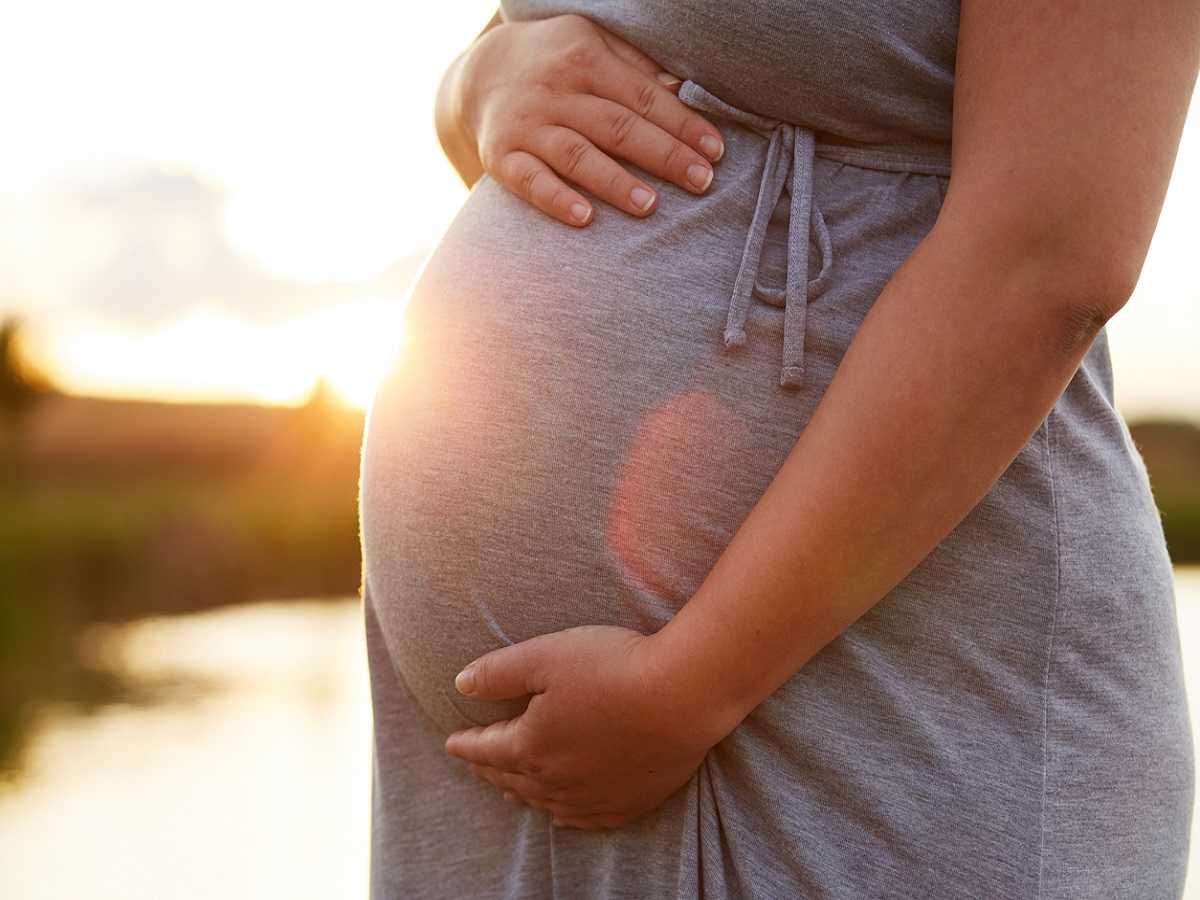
[[503, 674]]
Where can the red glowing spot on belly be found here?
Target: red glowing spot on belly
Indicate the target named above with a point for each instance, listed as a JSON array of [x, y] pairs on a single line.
[[682, 490]]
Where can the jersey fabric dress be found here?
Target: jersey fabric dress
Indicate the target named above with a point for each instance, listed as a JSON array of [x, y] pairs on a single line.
[[580, 420]]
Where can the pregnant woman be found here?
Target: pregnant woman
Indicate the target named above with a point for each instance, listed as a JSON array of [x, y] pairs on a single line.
[[780, 519]]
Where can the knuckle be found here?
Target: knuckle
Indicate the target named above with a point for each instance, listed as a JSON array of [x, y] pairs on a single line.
[[621, 126], [575, 154], [580, 54], [526, 186], [560, 203], [506, 136], [615, 183], [645, 100], [675, 156], [577, 54]]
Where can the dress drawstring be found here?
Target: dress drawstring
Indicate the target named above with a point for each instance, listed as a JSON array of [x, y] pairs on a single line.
[[792, 150]]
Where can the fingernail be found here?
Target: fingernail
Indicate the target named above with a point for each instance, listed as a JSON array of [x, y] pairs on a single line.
[[556, 822], [667, 79], [713, 148], [641, 198], [509, 797], [464, 682], [580, 212], [699, 175]]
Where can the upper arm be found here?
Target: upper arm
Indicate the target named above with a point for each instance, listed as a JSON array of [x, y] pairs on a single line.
[[1067, 119]]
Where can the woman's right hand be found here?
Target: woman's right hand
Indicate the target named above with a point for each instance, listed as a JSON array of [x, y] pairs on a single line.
[[561, 97]]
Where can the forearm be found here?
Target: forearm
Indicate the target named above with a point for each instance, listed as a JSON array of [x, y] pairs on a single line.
[[960, 359], [456, 143]]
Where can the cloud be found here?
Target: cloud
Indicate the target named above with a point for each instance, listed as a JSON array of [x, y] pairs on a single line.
[[143, 246]]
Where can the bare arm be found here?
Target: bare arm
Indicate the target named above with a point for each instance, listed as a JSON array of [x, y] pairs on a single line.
[[1067, 120]]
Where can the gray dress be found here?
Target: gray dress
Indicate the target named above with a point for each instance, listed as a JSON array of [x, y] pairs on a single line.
[[582, 418]]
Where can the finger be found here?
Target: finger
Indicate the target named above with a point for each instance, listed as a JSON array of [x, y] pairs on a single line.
[[639, 92], [619, 130], [640, 61], [536, 792], [525, 786], [575, 157], [503, 674], [532, 180], [562, 809], [488, 745], [669, 81]]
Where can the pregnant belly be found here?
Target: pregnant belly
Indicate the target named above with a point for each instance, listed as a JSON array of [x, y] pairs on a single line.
[[561, 442]]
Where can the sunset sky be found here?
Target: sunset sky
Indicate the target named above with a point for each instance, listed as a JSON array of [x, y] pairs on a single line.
[[228, 200]]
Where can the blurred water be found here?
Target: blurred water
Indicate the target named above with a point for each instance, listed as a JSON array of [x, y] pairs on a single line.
[[252, 784], [255, 787]]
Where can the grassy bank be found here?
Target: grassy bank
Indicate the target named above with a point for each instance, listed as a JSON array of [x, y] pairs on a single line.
[[113, 511]]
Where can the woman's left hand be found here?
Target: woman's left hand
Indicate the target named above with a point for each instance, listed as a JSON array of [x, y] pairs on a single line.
[[606, 737]]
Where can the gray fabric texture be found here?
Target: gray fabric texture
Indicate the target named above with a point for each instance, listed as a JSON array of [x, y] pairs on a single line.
[[581, 419]]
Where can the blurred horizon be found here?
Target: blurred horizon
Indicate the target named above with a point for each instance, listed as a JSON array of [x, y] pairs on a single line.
[[167, 239]]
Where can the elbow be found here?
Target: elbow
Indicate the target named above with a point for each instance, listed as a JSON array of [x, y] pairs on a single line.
[[1084, 296], [1100, 280], [1079, 276], [1080, 322], [1088, 288]]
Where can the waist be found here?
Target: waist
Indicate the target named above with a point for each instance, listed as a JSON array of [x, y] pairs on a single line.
[[919, 157]]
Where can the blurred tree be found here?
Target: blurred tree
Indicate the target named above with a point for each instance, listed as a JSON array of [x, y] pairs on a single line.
[[21, 386], [323, 397], [1171, 452]]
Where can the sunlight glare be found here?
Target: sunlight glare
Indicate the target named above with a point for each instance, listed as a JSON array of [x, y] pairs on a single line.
[[352, 344], [211, 356]]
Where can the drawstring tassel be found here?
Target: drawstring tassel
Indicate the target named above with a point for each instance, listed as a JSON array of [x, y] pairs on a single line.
[[770, 189]]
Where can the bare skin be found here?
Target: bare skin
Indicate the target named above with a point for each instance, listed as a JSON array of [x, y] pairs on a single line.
[[537, 104], [1067, 121]]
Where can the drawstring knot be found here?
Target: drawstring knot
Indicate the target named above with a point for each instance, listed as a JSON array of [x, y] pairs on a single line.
[[791, 151]]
